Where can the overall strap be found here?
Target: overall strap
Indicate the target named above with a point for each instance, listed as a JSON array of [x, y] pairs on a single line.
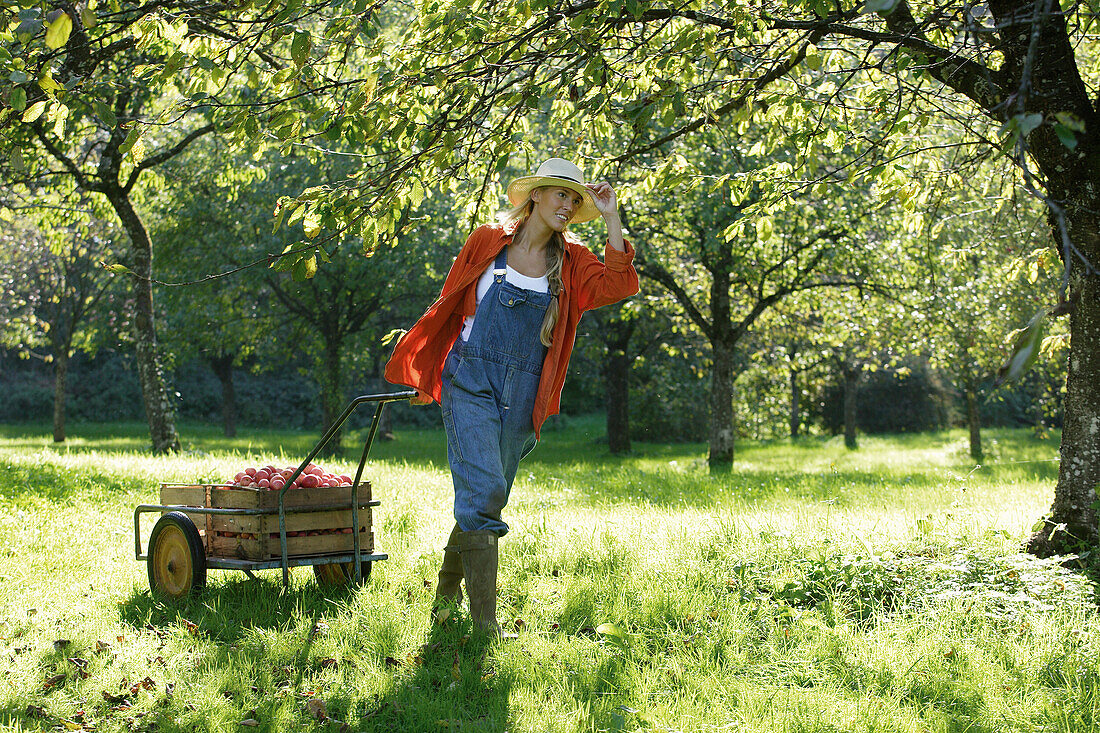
[[500, 264]]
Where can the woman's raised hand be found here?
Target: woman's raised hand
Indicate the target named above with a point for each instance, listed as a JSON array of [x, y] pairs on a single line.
[[604, 197]]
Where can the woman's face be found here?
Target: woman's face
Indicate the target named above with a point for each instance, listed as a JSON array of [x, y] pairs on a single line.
[[556, 205]]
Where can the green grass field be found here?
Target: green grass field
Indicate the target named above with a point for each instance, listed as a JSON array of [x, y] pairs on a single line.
[[812, 589]]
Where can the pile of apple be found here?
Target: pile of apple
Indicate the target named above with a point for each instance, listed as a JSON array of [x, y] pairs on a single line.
[[272, 478]]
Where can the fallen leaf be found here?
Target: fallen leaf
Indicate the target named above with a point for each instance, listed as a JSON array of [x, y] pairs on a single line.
[[456, 672], [52, 682], [72, 724], [519, 624], [60, 644], [102, 646], [191, 626], [35, 711], [316, 708], [32, 612], [116, 699], [78, 662], [391, 662], [329, 663], [250, 722]]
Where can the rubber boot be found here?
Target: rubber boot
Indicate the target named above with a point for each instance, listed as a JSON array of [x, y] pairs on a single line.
[[448, 589], [479, 564]]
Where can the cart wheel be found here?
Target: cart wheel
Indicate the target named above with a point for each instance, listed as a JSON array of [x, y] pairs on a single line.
[[177, 561], [340, 573]]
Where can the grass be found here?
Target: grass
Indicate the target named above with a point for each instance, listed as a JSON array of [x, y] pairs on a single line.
[[811, 589]]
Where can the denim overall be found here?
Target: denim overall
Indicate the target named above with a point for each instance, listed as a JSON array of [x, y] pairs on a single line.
[[489, 387]]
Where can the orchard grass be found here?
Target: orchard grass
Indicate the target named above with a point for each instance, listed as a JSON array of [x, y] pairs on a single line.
[[810, 589]]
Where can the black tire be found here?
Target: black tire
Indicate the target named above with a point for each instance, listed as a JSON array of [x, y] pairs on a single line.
[[340, 574], [176, 559]]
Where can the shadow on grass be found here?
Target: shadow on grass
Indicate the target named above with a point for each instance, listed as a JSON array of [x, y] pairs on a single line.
[[48, 481], [449, 682]]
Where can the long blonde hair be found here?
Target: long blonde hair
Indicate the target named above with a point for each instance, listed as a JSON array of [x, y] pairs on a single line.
[[555, 256]]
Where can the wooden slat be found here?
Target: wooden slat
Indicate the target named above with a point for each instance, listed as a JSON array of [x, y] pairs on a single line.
[[267, 548], [295, 521]]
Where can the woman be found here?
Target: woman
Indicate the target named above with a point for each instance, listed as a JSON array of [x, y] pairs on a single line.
[[493, 350]]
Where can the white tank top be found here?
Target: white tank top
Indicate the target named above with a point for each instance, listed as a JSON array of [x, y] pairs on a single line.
[[538, 284]]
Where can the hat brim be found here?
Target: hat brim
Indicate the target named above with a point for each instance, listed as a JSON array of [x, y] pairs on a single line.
[[520, 189]]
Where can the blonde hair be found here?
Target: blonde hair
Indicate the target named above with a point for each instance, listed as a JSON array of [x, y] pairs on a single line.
[[555, 256]]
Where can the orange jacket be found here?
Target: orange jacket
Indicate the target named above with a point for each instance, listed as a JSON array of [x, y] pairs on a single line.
[[587, 283]]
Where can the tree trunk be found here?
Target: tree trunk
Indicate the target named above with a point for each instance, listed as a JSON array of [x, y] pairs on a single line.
[[222, 365], [974, 422], [332, 398], [796, 398], [158, 407], [617, 332], [721, 405], [60, 378], [852, 374], [617, 380], [1072, 524], [1056, 86]]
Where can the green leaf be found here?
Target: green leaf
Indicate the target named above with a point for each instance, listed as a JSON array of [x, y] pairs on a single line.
[[48, 84], [394, 334], [105, 113], [58, 32], [18, 99], [88, 17], [299, 48], [34, 111], [305, 268], [117, 269], [882, 7], [765, 228], [614, 635], [1028, 122], [311, 224], [27, 29], [1065, 135], [1025, 349]]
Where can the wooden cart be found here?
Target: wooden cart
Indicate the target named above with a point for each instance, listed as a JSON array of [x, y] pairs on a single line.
[[220, 526]]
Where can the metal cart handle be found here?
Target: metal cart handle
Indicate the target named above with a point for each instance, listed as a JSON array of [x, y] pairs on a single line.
[[381, 399]]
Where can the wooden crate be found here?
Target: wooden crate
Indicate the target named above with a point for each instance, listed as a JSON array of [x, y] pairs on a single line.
[[326, 511]]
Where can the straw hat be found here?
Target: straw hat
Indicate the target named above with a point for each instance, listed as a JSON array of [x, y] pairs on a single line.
[[555, 172]]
